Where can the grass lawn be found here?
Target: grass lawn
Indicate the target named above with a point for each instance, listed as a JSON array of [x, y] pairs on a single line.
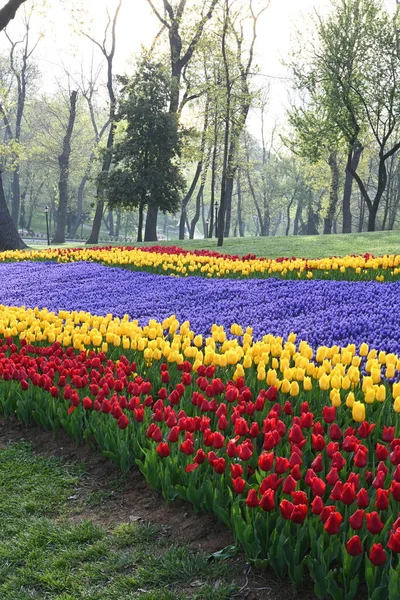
[[46, 552], [70, 530], [315, 246]]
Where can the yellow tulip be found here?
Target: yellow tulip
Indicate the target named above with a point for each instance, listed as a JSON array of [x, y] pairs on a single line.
[[369, 395], [358, 412], [294, 389], [396, 405], [324, 382], [350, 399], [271, 377]]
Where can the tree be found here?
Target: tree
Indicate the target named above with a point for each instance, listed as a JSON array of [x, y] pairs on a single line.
[[109, 56], [23, 72], [63, 161], [8, 12], [179, 58], [352, 76], [237, 105], [145, 161]]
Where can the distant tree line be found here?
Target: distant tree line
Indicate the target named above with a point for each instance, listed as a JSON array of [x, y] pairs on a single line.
[[164, 149]]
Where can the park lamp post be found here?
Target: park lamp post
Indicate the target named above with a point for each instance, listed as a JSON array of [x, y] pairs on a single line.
[[206, 231], [46, 210], [216, 219]]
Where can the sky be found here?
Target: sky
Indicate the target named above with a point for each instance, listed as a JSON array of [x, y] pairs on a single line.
[[137, 25]]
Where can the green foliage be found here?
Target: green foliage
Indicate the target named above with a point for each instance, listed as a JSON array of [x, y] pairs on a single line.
[[146, 157]]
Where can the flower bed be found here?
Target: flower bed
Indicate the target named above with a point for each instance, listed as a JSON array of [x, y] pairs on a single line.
[[177, 261], [297, 450], [319, 312]]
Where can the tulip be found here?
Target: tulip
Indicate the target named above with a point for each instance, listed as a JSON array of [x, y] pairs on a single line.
[[354, 546], [356, 520], [333, 522], [374, 524], [252, 498], [394, 541], [377, 555], [358, 412], [267, 501]]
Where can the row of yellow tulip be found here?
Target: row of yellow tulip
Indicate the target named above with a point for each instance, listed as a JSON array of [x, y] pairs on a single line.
[[209, 265], [356, 378]]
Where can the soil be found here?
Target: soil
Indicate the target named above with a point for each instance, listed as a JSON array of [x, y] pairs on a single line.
[[131, 499]]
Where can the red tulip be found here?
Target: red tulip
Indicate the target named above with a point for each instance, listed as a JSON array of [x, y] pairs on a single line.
[[388, 433], [395, 490], [357, 519], [332, 477], [286, 509], [318, 442], [331, 448], [381, 452], [219, 466], [362, 498], [288, 409], [299, 513], [191, 467], [289, 485], [354, 546], [267, 501], [382, 499], [318, 487], [333, 522], [24, 384], [271, 394], [200, 457], [329, 414], [317, 464], [87, 403], [281, 465], [326, 511], [236, 471], [335, 432], [365, 429], [265, 461], [187, 447], [317, 505], [377, 555], [299, 497], [238, 485], [348, 494], [163, 449], [374, 524], [394, 541], [252, 498]]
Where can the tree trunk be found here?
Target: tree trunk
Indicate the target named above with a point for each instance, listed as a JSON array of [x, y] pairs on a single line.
[[140, 224], [150, 232], [213, 178], [297, 218], [239, 207], [118, 224], [16, 195], [196, 217], [333, 193], [8, 12], [187, 198], [353, 159], [63, 161], [9, 236]]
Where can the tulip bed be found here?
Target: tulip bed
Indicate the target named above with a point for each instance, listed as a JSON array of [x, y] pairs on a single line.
[[171, 260], [293, 441]]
